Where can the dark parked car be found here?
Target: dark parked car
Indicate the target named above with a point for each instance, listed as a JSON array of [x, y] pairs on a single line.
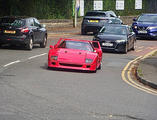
[[116, 37], [145, 26], [24, 31], [93, 21]]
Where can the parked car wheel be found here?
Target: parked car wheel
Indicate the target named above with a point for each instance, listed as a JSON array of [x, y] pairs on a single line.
[[83, 32]]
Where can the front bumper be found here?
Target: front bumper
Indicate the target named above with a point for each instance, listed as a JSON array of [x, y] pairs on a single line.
[[145, 33], [148, 35], [118, 47], [86, 67]]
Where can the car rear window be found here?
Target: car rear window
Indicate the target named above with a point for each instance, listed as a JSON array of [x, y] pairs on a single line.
[[95, 14], [12, 22]]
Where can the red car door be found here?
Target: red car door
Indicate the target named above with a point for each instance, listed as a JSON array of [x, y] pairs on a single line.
[[97, 48]]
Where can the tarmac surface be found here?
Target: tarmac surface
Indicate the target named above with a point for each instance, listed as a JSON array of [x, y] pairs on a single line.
[[147, 71], [147, 68]]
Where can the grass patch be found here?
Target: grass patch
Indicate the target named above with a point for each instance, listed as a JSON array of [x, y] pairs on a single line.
[[139, 71], [154, 54]]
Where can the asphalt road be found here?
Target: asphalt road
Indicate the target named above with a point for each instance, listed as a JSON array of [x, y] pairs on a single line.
[[29, 91]]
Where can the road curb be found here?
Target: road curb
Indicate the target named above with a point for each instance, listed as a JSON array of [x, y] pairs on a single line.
[[139, 77]]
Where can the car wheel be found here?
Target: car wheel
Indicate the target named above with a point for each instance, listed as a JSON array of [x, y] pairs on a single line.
[[44, 42], [95, 71], [125, 49], [83, 32], [133, 46], [100, 66], [30, 44]]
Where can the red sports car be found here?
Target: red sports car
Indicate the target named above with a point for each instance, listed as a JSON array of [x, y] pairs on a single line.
[[75, 54]]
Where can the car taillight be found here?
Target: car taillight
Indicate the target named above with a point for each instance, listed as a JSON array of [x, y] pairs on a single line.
[[25, 30]]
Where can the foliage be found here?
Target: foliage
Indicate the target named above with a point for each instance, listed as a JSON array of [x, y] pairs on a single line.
[[61, 9]]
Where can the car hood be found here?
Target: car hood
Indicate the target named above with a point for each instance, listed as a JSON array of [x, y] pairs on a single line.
[[73, 56], [146, 24], [111, 37]]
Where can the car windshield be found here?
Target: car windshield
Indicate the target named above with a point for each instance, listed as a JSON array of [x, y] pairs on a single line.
[[148, 18], [76, 45], [95, 14], [118, 30], [11, 22]]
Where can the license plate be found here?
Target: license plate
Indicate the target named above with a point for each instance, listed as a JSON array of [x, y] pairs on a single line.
[[10, 31], [107, 44], [142, 31], [94, 21]]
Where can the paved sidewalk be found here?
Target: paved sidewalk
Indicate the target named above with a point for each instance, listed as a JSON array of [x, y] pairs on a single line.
[[147, 71]]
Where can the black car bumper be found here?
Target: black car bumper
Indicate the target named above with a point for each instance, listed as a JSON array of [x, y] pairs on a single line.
[[14, 39], [92, 27], [117, 47]]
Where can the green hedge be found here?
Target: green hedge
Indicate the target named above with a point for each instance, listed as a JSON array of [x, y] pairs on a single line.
[[63, 9]]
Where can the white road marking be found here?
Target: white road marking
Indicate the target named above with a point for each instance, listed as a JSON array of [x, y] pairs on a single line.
[[11, 63], [36, 56], [18, 61]]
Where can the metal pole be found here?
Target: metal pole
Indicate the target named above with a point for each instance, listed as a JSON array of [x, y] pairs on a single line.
[[75, 19]]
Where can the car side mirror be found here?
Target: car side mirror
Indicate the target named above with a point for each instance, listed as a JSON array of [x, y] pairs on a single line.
[[43, 25], [51, 46], [134, 19]]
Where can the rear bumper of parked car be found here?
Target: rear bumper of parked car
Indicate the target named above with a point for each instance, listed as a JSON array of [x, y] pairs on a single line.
[[92, 27], [14, 39], [85, 67]]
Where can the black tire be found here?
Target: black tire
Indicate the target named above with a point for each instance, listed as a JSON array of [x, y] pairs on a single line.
[[29, 46], [133, 47], [126, 49], [44, 42], [100, 66], [83, 32], [94, 71]]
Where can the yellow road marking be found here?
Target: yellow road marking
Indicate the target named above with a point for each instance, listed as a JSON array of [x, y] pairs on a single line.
[[150, 48], [138, 50], [130, 81]]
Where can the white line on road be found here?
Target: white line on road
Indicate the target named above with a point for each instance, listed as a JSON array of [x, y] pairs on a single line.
[[17, 61], [12, 63], [37, 56]]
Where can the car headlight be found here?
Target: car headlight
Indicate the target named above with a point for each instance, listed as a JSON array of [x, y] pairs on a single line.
[[120, 41], [54, 57], [135, 27], [89, 61], [154, 27]]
